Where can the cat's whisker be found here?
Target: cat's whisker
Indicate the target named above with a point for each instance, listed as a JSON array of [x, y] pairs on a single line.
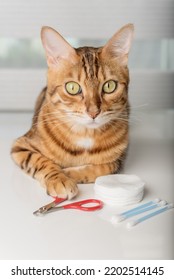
[[61, 124], [59, 114], [74, 114], [46, 118], [121, 119], [42, 122], [46, 104], [138, 106], [72, 127], [54, 113], [42, 107], [128, 119], [49, 120], [135, 116]]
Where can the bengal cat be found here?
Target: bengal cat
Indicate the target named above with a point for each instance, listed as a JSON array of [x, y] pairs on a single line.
[[80, 125]]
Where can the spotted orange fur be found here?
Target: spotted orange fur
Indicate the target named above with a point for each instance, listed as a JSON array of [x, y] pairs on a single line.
[[74, 138]]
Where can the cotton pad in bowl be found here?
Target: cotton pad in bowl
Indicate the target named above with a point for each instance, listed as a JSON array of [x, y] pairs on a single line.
[[119, 189]]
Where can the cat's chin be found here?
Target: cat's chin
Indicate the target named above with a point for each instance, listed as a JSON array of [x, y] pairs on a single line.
[[93, 125]]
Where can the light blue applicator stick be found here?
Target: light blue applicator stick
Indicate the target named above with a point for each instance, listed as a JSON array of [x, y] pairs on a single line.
[[142, 219], [155, 201], [138, 210]]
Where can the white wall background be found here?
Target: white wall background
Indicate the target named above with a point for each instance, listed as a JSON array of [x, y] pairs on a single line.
[[92, 19]]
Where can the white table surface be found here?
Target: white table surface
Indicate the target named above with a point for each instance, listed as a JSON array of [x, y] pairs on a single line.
[[72, 234]]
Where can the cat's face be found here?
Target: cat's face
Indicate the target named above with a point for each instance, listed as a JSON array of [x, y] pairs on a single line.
[[88, 86]]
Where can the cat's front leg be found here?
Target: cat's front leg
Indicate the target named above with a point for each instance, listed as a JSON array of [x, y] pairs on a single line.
[[50, 175], [89, 173]]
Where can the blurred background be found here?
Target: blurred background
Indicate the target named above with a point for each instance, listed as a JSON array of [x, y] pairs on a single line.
[[22, 59]]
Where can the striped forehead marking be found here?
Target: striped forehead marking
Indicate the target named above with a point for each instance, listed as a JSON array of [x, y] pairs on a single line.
[[91, 65]]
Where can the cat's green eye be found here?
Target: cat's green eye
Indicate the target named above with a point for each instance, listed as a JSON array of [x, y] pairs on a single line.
[[73, 88], [109, 86]]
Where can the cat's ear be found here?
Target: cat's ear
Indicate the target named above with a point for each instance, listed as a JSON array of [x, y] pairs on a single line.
[[119, 45], [56, 47]]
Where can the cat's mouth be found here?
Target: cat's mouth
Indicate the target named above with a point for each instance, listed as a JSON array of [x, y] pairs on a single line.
[[83, 120], [92, 123]]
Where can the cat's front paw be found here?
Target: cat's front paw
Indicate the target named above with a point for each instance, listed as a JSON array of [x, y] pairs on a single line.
[[81, 174], [61, 186]]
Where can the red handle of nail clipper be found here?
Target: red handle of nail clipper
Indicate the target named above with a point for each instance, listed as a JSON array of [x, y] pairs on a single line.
[[58, 200], [80, 205]]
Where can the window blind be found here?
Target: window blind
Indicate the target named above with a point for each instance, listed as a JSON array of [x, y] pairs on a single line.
[[82, 21]]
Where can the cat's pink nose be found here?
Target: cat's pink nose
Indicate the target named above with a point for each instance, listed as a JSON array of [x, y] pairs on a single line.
[[94, 114]]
